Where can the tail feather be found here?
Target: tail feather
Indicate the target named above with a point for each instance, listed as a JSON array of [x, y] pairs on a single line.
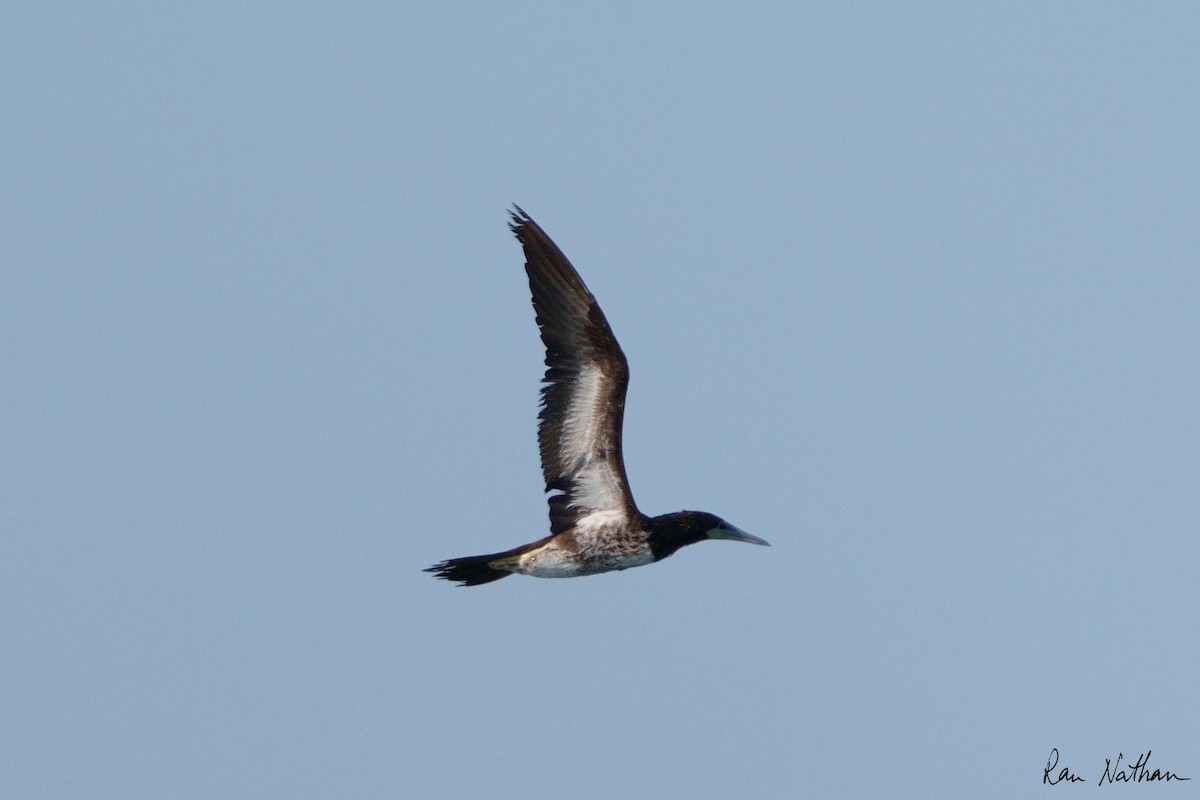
[[469, 571], [476, 570]]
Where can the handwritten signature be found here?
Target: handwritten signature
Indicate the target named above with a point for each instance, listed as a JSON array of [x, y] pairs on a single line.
[[1137, 772]]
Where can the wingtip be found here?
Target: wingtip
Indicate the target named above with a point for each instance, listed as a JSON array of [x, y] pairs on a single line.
[[517, 218]]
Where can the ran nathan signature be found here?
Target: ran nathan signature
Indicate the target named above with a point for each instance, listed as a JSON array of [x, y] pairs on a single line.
[[1137, 772]]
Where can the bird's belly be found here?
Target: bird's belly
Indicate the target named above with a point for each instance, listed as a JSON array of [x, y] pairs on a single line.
[[556, 562]]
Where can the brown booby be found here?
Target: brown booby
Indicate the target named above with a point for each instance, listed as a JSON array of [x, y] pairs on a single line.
[[594, 524]]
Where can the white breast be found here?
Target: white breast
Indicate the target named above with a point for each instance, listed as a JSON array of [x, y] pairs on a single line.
[[551, 562]]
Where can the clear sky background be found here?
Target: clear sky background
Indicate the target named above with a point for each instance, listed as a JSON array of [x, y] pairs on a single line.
[[910, 290]]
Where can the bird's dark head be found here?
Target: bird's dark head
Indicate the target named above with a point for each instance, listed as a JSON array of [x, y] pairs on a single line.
[[670, 532]]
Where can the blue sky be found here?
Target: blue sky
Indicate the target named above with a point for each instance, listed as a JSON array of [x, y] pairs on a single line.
[[909, 290]]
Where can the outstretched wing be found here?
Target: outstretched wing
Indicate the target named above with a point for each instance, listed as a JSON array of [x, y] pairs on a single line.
[[583, 396]]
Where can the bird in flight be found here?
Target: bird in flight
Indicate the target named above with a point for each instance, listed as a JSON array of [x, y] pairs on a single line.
[[594, 525]]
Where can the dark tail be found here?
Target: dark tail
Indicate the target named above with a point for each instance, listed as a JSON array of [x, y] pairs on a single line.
[[469, 571], [476, 570]]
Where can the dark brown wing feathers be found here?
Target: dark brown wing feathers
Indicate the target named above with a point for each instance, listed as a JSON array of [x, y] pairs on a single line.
[[583, 396]]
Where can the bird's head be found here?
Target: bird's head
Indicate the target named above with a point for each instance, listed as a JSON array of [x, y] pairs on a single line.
[[670, 532]]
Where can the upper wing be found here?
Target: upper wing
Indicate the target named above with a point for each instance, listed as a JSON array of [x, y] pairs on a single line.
[[583, 399]]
